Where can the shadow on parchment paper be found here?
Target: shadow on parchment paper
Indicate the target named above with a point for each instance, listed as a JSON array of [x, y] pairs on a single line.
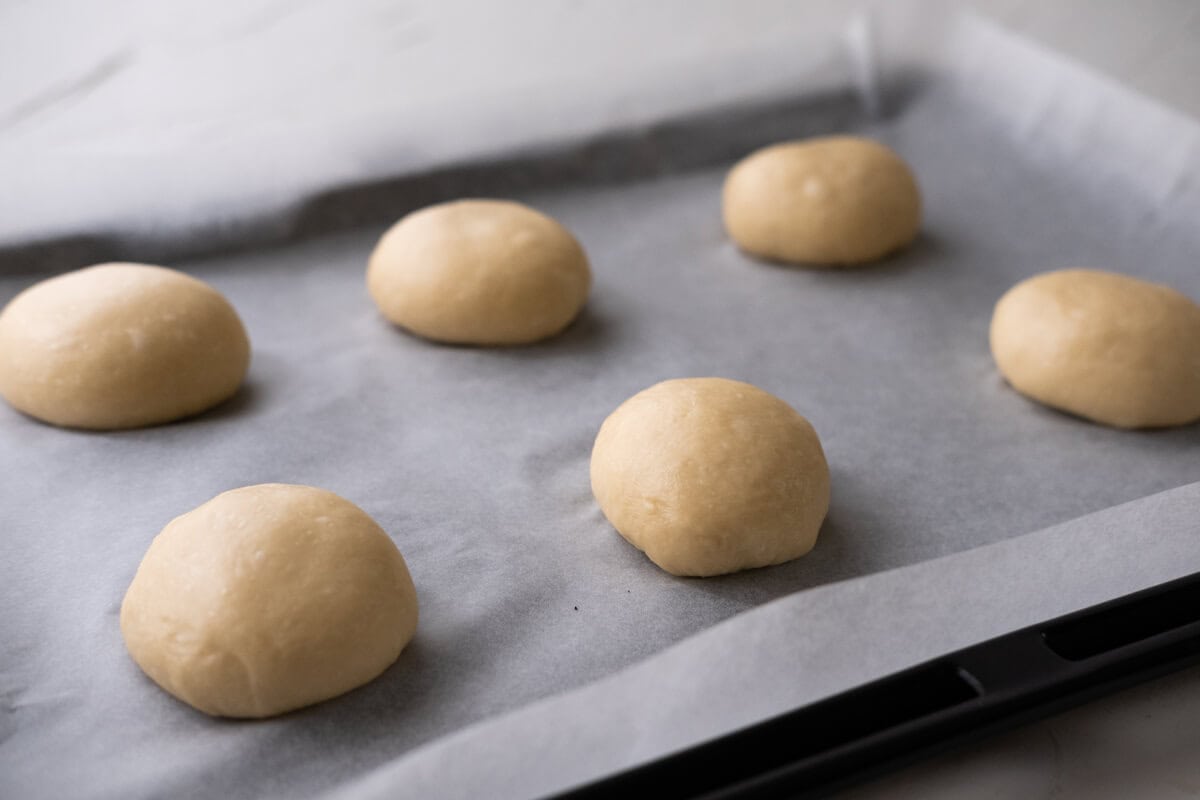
[[407, 687], [249, 396], [925, 251], [37, 258], [563, 467], [253, 395], [366, 715], [411, 692], [691, 141], [1189, 434], [589, 331], [1142, 439], [842, 551], [688, 142], [831, 560]]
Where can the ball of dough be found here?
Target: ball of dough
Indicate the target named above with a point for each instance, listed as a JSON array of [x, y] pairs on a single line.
[[709, 476], [488, 272], [120, 346], [266, 599], [829, 200], [1107, 347]]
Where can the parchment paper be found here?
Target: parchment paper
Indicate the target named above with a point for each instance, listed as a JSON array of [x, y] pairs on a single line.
[[476, 462]]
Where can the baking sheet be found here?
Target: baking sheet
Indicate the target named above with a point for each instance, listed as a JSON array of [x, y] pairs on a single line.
[[476, 462], [800, 649]]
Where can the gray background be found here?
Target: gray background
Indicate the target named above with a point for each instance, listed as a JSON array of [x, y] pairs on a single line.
[[501, 541]]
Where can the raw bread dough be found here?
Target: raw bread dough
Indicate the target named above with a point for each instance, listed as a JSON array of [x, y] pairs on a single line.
[[1108, 347], [489, 272], [709, 476], [828, 200], [120, 346], [266, 599]]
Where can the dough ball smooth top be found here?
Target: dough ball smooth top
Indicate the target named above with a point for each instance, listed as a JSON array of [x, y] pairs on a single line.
[[486, 272], [1107, 347], [709, 476], [829, 200], [266, 599], [120, 346]]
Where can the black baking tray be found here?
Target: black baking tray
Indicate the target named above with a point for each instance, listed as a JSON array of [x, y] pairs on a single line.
[[935, 706]]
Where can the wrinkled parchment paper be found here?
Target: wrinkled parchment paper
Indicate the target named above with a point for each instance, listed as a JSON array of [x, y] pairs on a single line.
[[476, 462]]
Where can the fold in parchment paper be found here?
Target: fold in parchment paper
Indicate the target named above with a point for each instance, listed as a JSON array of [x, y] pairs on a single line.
[[476, 462]]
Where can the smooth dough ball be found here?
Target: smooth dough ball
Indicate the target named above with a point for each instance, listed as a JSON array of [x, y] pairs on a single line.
[[1107, 347], [830, 200], [120, 346], [487, 272], [709, 476], [266, 599]]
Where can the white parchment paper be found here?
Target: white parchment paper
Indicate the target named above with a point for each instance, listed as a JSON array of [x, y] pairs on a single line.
[[545, 655]]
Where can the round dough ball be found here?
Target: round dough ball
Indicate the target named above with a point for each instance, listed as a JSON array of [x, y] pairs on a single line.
[[829, 200], [266, 599], [489, 272], [709, 476], [1107, 347], [120, 346]]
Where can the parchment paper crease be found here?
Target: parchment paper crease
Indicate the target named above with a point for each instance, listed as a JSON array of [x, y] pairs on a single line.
[[476, 462]]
